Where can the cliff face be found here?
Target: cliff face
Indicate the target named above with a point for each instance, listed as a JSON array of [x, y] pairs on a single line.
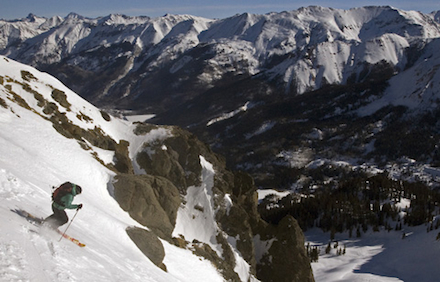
[[169, 173], [285, 259]]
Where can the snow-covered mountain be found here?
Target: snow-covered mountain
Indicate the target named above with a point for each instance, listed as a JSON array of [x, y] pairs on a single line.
[[368, 80], [346, 64], [157, 63], [159, 205], [38, 151]]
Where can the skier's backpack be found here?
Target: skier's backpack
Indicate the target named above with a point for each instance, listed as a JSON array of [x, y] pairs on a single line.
[[64, 189]]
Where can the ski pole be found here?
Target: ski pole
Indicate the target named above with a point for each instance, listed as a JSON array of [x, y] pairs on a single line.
[[69, 225]]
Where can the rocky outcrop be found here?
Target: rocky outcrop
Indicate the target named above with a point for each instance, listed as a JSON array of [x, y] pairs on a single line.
[[176, 158], [285, 258], [151, 200], [149, 244], [172, 164]]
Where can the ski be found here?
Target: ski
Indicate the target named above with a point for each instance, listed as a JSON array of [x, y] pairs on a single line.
[[29, 217], [73, 240], [38, 221]]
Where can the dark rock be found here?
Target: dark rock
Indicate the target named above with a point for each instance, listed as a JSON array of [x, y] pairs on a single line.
[[172, 164], [153, 201], [286, 259], [149, 244]]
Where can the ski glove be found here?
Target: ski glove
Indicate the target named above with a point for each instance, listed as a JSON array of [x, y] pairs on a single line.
[[79, 206]]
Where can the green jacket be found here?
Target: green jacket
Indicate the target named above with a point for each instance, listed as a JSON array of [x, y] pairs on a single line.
[[66, 201]]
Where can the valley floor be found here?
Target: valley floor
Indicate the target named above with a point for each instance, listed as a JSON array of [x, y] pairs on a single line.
[[378, 256]]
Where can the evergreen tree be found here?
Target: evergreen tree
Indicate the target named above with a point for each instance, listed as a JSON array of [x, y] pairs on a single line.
[[314, 255], [328, 249]]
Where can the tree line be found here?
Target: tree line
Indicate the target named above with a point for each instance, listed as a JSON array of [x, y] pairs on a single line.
[[356, 203]]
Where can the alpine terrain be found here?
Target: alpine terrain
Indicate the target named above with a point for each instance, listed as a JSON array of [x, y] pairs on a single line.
[[225, 140], [147, 190]]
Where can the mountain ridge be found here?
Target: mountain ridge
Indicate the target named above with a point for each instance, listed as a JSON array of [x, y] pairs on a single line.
[[316, 65], [300, 50]]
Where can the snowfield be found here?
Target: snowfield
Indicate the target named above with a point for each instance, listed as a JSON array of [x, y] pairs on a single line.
[[378, 256]]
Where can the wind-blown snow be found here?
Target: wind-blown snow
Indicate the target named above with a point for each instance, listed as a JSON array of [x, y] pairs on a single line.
[[266, 126]]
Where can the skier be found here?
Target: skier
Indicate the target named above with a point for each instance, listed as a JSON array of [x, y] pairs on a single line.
[[62, 199]]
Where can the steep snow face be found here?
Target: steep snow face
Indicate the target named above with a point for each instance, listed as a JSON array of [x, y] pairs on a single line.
[[416, 87], [196, 220], [33, 157], [329, 45], [199, 210], [340, 42], [182, 36]]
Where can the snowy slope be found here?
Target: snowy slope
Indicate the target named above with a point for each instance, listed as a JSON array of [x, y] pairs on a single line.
[[34, 157], [378, 256], [416, 88], [410, 254]]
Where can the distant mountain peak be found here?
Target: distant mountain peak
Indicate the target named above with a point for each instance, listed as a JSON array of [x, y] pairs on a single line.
[[299, 51]]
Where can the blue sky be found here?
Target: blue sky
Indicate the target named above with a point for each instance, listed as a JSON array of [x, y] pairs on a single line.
[[15, 9]]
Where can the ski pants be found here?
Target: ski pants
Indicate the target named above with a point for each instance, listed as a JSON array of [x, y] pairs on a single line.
[[58, 218]]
